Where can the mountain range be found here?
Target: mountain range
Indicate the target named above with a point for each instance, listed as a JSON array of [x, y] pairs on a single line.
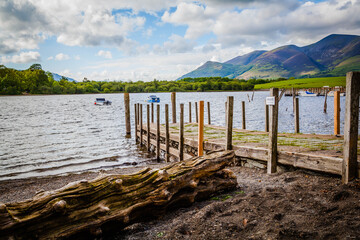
[[58, 77], [333, 55]]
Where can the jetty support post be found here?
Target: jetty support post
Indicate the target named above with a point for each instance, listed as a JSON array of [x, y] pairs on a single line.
[[173, 105], [167, 134], [141, 124], [336, 113], [201, 129], [190, 112], [196, 112], [349, 167], [226, 112], [229, 122], [181, 129], [148, 127], [243, 115], [127, 115], [272, 157], [152, 112], [297, 122], [158, 132], [209, 116], [266, 117], [136, 119]]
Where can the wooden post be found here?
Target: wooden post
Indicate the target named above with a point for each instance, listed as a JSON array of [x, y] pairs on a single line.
[[167, 134], [226, 113], [138, 115], [157, 131], [148, 127], [229, 122], [297, 126], [173, 105], [136, 124], [209, 116], [349, 167], [266, 117], [141, 124], [196, 112], [272, 160], [152, 112], [181, 129], [325, 102], [189, 112], [127, 115], [201, 129], [293, 97], [336, 113], [243, 115]]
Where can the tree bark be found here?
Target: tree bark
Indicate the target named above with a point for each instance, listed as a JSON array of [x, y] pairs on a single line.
[[87, 209]]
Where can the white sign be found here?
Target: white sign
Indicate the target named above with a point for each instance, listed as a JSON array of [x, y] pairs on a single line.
[[270, 101]]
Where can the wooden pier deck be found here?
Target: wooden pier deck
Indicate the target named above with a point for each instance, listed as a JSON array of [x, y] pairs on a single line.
[[321, 153]]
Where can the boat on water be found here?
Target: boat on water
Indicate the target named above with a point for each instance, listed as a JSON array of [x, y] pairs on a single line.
[[307, 94], [331, 94], [102, 101], [153, 99]]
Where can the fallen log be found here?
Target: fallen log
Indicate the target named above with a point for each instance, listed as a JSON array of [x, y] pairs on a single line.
[[87, 209]]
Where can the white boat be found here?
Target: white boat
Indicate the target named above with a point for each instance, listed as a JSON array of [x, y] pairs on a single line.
[[307, 94], [331, 94], [102, 101]]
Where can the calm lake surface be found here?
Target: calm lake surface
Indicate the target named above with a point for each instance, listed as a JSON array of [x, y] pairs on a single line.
[[51, 135]]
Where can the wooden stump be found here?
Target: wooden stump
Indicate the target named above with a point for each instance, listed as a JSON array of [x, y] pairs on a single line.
[[87, 209]]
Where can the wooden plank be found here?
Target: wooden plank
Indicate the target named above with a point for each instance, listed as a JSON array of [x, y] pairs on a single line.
[[157, 131], [209, 116], [135, 122], [152, 112], [266, 117], [229, 122], [243, 115], [272, 162], [196, 113], [141, 124], [172, 151], [297, 126], [173, 105], [190, 112], [336, 113], [351, 127], [148, 127], [167, 134], [127, 115], [181, 133], [201, 129]]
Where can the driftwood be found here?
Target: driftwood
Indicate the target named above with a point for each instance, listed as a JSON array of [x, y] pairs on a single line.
[[88, 209]]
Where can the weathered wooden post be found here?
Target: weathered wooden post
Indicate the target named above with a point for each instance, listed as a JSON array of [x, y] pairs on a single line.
[[173, 105], [152, 112], [349, 167], [325, 102], [181, 129], [266, 117], [272, 157], [201, 129], [243, 115], [148, 127], [336, 113], [138, 115], [297, 122], [167, 134], [229, 122], [209, 116], [226, 112], [127, 115], [189, 112], [136, 124], [157, 131], [196, 112], [141, 125]]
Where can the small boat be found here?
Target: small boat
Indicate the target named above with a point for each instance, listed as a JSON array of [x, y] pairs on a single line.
[[153, 99], [307, 94], [331, 94], [102, 101]]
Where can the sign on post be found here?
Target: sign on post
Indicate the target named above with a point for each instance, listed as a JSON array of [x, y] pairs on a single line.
[[270, 101]]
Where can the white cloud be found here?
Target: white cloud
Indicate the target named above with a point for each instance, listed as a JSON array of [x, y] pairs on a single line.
[[77, 57], [23, 57], [61, 57], [105, 54], [176, 44]]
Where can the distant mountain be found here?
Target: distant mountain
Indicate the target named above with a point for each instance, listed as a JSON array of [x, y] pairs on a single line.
[[58, 77], [334, 55]]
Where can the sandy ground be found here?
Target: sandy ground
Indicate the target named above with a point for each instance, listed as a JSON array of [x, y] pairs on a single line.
[[293, 204]]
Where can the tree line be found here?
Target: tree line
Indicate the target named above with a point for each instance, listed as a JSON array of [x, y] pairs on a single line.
[[35, 80]]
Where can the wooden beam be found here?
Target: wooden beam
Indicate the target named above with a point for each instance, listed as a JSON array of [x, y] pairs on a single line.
[[148, 127], [141, 125], [127, 115], [190, 112], [349, 168], [167, 133], [181, 133], [173, 105], [296, 117], [243, 115], [266, 117], [201, 129], [135, 122], [157, 131], [229, 122], [209, 116], [336, 113], [272, 162]]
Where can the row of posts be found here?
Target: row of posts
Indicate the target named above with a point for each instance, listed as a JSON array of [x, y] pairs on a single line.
[[349, 168]]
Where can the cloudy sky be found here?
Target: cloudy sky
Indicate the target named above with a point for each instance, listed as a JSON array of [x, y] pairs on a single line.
[[163, 39]]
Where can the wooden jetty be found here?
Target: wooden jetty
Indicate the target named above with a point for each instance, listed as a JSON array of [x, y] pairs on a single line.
[[332, 154]]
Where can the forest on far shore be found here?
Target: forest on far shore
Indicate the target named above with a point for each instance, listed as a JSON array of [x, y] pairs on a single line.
[[35, 80]]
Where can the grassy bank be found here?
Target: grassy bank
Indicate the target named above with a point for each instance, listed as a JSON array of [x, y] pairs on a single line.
[[304, 83]]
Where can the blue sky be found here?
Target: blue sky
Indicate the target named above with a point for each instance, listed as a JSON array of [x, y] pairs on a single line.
[[163, 39]]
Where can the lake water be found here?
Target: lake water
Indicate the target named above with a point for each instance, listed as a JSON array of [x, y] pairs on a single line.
[[57, 134]]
